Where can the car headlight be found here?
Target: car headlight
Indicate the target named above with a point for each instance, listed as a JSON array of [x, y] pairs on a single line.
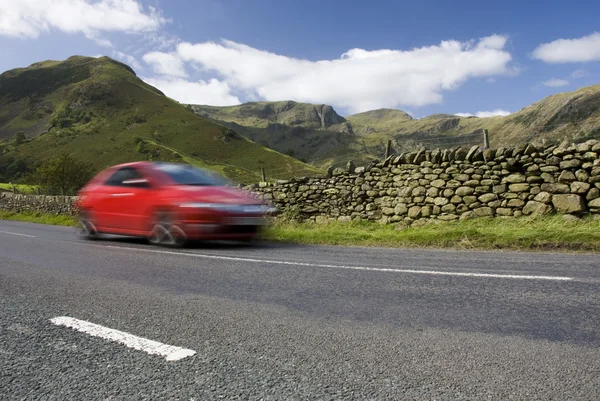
[[200, 205], [228, 208]]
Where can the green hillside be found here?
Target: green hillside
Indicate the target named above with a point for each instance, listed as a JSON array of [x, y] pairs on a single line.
[[312, 133], [378, 120], [363, 136], [99, 111], [574, 115]]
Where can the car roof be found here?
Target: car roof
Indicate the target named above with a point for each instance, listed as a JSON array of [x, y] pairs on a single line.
[[130, 164], [149, 164]]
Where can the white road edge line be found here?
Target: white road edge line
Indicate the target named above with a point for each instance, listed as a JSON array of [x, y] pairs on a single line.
[[169, 352], [377, 269], [19, 234]]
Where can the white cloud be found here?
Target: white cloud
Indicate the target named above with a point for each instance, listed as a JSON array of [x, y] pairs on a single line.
[[128, 59], [165, 64], [586, 48], [99, 40], [30, 18], [483, 114], [494, 42], [357, 81], [161, 40], [213, 92], [579, 73], [556, 83]]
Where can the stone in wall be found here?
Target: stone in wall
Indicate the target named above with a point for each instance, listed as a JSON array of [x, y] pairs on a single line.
[[59, 205], [451, 184]]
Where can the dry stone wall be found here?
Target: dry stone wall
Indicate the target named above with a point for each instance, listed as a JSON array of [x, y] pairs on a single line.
[[449, 185], [37, 203], [420, 187]]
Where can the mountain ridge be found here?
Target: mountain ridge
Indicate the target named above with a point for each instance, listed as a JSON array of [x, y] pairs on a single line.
[[99, 111], [567, 114]]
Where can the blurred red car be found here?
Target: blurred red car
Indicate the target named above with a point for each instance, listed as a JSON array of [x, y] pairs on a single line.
[[167, 203]]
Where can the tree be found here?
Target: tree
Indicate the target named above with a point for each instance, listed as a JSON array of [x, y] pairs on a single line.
[[20, 138], [12, 169], [64, 175]]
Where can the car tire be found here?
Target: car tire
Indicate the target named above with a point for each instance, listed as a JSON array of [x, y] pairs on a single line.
[[164, 231], [87, 228]]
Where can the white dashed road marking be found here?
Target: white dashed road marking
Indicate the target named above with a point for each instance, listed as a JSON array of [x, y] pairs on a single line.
[[366, 268], [169, 352], [19, 234]]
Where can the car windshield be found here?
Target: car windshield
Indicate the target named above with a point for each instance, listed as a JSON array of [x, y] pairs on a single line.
[[188, 175]]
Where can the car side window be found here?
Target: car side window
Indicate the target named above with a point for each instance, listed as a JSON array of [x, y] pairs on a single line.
[[125, 173]]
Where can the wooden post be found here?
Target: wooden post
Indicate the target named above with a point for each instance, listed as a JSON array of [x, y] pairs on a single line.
[[263, 175], [388, 149], [486, 139]]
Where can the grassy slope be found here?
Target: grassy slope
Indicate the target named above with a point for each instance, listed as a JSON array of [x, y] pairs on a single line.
[[574, 115], [548, 233], [122, 107], [314, 133], [385, 120], [261, 114], [21, 188]]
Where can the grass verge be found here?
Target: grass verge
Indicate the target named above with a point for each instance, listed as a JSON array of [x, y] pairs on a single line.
[[548, 233], [553, 233], [37, 217]]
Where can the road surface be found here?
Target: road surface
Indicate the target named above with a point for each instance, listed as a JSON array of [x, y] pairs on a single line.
[[119, 319]]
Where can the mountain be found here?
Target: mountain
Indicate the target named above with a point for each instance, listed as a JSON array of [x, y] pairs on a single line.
[[305, 131], [295, 128], [261, 114], [571, 114], [99, 111], [378, 120]]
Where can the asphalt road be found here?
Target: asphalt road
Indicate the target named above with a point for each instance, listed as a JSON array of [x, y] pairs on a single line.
[[277, 322]]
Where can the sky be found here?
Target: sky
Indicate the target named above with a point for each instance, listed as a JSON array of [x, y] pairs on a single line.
[[458, 57]]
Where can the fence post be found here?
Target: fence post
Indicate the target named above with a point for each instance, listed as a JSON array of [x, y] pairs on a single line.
[[388, 149], [263, 175], [486, 139]]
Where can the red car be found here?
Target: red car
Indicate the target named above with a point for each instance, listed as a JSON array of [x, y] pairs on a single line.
[[168, 203]]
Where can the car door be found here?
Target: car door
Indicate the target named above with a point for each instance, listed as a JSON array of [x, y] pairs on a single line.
[[126, 200]]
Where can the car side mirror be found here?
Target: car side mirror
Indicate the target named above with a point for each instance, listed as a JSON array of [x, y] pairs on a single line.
[[137, 183]]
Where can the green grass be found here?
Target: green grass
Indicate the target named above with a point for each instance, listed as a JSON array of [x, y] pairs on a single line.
[[551, 233], [21, 188], [40, 218], [524, 234]]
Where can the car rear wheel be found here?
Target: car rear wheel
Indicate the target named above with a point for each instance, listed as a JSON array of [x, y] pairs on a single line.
[[166, 232], [87, 228]]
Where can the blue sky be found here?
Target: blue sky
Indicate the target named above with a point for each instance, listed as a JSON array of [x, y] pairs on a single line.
[[422, 57]]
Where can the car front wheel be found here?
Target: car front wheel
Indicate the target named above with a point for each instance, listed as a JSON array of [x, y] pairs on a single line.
[[87, 228], [165, 231]]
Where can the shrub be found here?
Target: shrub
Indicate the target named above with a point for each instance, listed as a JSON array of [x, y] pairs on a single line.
[[19, 138], [141, 147], [63, 174]]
